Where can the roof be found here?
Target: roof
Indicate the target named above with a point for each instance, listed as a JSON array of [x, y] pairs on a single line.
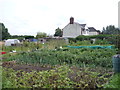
[[81, 25], [92, 29]]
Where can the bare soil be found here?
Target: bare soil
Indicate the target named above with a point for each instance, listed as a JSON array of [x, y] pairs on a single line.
[[1, 43], [24, 67]]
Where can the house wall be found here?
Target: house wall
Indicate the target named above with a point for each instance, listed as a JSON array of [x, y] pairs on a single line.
[[93, 33], [72, 30], [85, 32]]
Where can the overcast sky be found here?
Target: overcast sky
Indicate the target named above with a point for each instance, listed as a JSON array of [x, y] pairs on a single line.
[[27, 17]]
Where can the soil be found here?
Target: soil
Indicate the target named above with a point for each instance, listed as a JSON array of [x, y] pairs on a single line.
[[30, 67], [24, 67], [1, 43], [73, 76]]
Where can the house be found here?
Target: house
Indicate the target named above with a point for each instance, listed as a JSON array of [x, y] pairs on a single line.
[[74, 29], [93, 31]]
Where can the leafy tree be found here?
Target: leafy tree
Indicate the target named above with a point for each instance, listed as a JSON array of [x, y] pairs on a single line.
[[41, 35], [111, 29], [58, 32], [4, 32]]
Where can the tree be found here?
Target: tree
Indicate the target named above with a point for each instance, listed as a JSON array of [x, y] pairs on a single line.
[[41, 35], [111, 29], [58, 32], [4, 32]]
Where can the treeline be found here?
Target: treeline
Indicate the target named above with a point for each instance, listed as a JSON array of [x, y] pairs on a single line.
[[21, 37]]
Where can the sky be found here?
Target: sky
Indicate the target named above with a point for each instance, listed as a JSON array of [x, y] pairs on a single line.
[[27, 17]]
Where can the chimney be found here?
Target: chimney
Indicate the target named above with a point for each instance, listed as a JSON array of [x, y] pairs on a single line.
[[71, 20]]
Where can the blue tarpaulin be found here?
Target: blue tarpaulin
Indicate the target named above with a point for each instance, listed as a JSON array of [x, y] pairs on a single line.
[[33, 40], [94, 47]]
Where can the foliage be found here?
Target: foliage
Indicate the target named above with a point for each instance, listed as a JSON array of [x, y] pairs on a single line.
[[31, 45], [78, 43], [115, 39], [114, 82], [22, 36], [4, 32], [100, 36], [80, 57], [52, 44], [59, 77], [26, 46], [101, 39], [101, 42], [0, 76], [82, 37], [111, 29], [41, 35], [58, 32]]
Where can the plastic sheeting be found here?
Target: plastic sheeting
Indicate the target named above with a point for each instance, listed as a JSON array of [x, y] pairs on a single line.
[[93, 47], [9, 42]]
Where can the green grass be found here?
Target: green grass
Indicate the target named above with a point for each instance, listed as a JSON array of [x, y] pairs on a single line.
[[114, 82]]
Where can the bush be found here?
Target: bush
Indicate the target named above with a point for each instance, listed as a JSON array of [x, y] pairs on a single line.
[[101, 42]]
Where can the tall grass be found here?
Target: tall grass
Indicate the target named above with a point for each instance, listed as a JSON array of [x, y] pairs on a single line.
[[52, 44], [26, 46]]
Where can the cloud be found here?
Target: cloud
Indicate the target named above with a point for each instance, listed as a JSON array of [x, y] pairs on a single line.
[[31, 16]]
